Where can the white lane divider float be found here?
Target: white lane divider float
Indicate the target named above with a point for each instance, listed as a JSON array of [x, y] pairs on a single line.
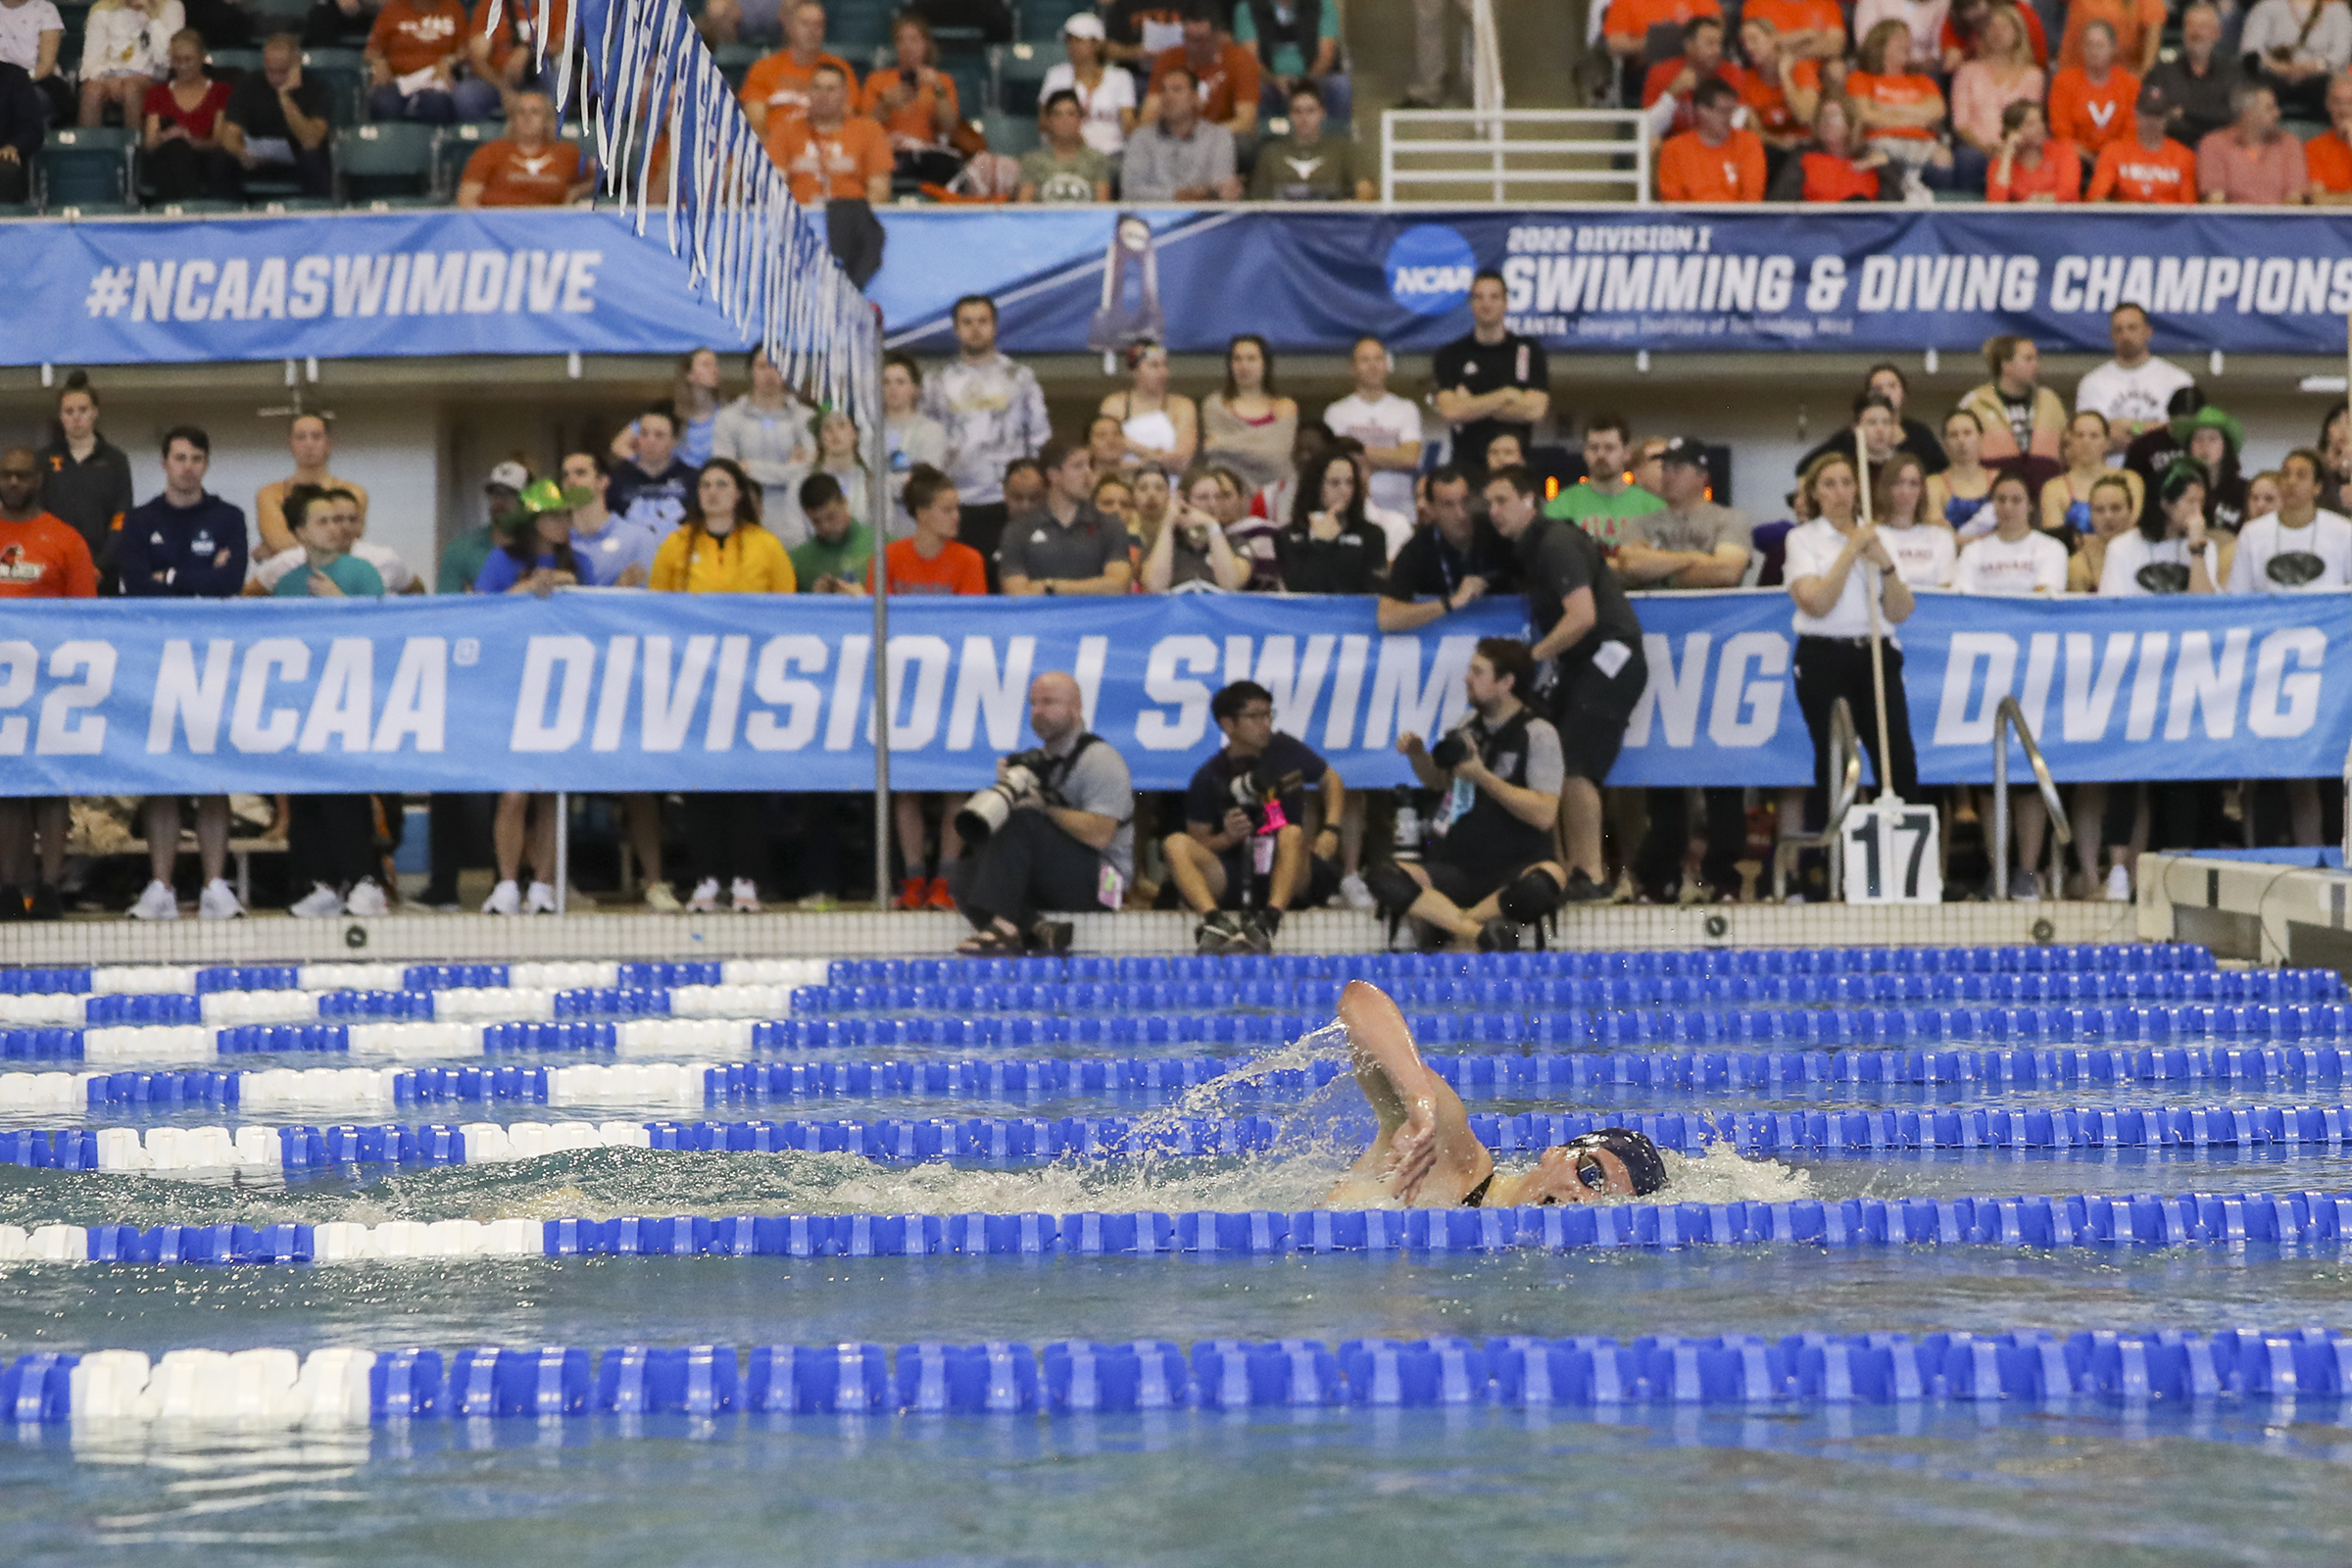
[[261, 1388]]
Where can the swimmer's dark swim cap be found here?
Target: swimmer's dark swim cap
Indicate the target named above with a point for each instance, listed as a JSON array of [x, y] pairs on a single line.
[[1639, 1155]]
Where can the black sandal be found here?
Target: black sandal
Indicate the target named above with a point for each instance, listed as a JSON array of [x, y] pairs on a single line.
[[991, 943]]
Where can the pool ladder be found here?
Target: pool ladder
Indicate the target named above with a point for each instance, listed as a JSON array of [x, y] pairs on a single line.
[[2061, 831]]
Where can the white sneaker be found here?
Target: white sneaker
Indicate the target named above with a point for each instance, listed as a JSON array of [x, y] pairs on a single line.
[[706, 896], [365, 899], [743, 895], [541, 900], [2118, 885], [504, 899], [661, 899], [219, 902], [321, 902], [158, 902], [2025, 887], [1353, 892]]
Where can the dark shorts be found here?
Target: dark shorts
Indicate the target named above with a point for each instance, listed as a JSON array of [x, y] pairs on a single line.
[[1591, 710], [1322, 882], [1468, 886]]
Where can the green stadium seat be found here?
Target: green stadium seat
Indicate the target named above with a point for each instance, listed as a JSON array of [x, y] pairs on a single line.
[[1017, 71], [291, 204], [856, 30], [230, 63], [1040, 21], [1010, 134], [385, 162], [455, 145], [86, 167], [196, 207], [345, 72], [735, 60]]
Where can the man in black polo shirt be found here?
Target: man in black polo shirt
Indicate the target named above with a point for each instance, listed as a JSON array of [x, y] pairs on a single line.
[[1246, 850], [1490, 382], [1450, 565], [276, 123], [1592, 646], [1068, 548]]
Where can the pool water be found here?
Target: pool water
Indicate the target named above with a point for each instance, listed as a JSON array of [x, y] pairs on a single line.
[[2227, 1479]]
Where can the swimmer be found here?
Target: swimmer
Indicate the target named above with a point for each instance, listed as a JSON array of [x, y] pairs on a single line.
[[1425, 1155]]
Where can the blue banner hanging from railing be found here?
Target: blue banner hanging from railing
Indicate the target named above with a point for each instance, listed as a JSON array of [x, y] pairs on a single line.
[[611, 690]]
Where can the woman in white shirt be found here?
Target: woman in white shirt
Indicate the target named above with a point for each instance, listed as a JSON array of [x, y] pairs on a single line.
[[1104, 92], [2015, 561], [1162, 429], [1835, 566], [1922, 546], [125, 49], [908, 435]]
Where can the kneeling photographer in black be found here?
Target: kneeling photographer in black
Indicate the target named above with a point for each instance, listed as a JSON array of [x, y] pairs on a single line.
[[1245, 854], [1491, 869], [1056, 832]]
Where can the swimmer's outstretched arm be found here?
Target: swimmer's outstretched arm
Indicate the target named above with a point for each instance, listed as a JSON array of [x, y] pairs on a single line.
[[1424, 1139]]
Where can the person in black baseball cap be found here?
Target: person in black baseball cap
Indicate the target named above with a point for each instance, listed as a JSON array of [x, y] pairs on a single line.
[[1425, 1154]]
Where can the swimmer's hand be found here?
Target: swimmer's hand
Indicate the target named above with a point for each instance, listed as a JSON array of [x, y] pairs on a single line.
[[1413, 1148]]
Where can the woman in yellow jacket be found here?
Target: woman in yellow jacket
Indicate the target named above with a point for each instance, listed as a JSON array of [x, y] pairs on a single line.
[[720, 548]]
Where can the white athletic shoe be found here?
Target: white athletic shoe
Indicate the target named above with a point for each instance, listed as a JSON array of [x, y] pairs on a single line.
[[158, 902], [219, 902], [365, 899], [743, 895], [504, 899], [2118, 885], [660, 900], [706, 896], [1353, 892], [541, 900], [321, 902]]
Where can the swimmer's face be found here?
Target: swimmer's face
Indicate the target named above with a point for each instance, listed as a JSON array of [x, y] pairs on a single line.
[[1571, 1175]]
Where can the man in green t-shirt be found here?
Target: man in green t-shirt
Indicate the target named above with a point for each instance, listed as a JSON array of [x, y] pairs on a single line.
[[1307, 165], [1065, 168], [1606, 497], [462, 561], [839, 550]]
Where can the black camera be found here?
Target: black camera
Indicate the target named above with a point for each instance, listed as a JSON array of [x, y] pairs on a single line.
[[1025, 773], [1450, 753], [1253, 792]]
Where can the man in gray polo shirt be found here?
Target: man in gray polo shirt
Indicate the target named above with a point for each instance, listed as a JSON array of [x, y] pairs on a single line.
[[1070, 547], [1069, 843], [1693, 543], [1181, 158]]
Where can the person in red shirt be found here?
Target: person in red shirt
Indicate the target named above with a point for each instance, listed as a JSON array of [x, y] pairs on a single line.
[[1673, 80], [1810, 30], [914, 102], [2034, 167], [828, 153], [526, 167], [1830, 170], [2149, 166], [1964, 30], [1625, 29], [933, 561], [1898, 110], [184, 154], [1226, 73], [776, 87], [2327, 157], [1714, 161], [1780, 91], [2090, 103], [415, 49], [2137, 26], [40, 558]]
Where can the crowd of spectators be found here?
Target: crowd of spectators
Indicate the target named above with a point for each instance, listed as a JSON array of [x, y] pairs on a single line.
[[2136, 485], [1966, 98]]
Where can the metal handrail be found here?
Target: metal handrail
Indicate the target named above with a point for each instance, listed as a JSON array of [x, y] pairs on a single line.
[[1845, 774], [2061, 831], [1482, 155]]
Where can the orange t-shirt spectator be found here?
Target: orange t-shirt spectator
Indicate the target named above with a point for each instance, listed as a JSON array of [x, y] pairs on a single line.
[[411, 37], [2032, 165], [830, 154], [1227, 72], [914, 101], [934, 561], [1677, 79], [1771, 77], [776, 87], [528, 167], [1832, 173], [2090, 103], [1897, 108], [2327, 157], [1713, 162], [1627, 24], [41, 557], [2147, 165], [1812, 29], [2137, 25]]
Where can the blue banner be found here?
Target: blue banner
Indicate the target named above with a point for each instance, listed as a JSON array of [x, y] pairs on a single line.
[[612, 691], [1667, 279], [350, 286]]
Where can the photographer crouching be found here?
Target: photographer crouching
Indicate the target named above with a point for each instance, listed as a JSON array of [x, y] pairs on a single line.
[[1492, 868], [1246, 856], [1054, 833]]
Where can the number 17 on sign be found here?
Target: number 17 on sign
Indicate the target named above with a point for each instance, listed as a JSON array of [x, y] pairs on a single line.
[[1893, 854]]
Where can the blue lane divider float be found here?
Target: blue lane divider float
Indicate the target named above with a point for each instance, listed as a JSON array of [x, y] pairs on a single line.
[[2131, 1366], [2019, 960], [2314, 1222]]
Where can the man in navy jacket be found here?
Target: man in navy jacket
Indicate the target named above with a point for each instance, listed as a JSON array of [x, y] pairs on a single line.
[[188, 543]]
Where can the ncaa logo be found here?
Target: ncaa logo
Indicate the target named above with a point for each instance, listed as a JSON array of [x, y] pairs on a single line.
[[1429, 269]]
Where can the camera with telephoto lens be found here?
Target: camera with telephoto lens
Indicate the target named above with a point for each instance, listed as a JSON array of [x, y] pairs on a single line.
[[985, 812], [1450, 753], [1257, 793]]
